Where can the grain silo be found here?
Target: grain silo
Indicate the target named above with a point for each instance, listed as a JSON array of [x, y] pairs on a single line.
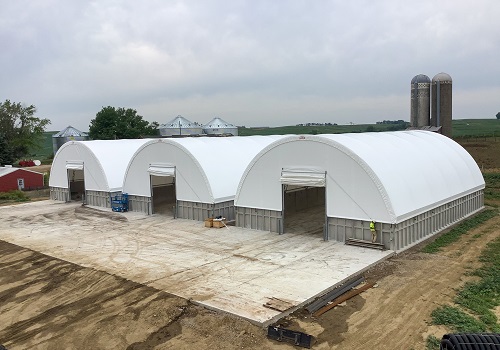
[[420, 101], [180, 126], [217, 126], [68, 134], [441, 111]]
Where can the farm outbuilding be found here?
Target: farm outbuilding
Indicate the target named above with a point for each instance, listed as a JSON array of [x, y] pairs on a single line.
[[19, 179], [411, 184], [191, 178], [91, 170]]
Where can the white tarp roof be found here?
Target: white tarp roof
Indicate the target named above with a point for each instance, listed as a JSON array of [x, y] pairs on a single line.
[[207, 169], [386, 176], [104, 162]]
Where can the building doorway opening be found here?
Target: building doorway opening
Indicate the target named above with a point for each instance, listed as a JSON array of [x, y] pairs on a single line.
[[304, 201], [163, 193]]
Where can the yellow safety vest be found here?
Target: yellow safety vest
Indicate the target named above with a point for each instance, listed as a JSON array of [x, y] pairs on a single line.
[[372, 226]]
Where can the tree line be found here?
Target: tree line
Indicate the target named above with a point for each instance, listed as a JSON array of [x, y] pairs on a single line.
[[21, 131]]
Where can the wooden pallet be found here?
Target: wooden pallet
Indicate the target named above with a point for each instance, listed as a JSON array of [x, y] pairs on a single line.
[[364, 244]]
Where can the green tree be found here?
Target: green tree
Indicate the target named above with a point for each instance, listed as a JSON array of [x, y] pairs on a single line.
[[119, 123], [498, 115], [20, 131]]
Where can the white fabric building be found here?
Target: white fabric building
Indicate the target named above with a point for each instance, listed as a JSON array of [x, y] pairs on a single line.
[[91, 169], [197, 176], [411, 183]]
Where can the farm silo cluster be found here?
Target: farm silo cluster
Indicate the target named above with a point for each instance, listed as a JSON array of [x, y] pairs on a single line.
[[431, 103]]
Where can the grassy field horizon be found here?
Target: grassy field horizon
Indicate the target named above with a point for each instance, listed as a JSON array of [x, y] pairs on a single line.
[[462, 128]]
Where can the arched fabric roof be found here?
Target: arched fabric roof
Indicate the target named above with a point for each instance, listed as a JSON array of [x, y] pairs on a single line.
[[386, 177], [104, 163], [207, 170]]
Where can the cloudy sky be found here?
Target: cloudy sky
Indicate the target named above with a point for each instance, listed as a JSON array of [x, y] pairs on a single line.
[[251, 63]]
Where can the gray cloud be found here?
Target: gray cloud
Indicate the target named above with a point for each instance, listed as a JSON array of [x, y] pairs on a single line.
[[250, 62]]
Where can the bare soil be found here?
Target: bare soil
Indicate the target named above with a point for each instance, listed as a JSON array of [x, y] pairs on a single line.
[[47, 303], [485, 152]]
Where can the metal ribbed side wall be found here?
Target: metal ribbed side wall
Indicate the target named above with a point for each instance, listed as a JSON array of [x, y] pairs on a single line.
[[259, 219], [140, 204], [395, 237], [201, 211], [59, 194], [99, 198], [185, 209], [401, 236]]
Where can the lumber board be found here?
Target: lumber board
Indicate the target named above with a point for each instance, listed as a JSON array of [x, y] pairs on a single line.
[[278, 304], [322, 301], [343, 298]]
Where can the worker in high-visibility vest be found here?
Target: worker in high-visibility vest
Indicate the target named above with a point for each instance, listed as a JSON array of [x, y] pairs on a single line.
[[374, 232]]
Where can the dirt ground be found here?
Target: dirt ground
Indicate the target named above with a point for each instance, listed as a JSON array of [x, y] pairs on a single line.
[[46, 303], [486, 152]]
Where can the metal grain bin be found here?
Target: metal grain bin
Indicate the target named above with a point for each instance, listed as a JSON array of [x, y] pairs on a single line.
[[68, 134], [180, 126], [217, 126]]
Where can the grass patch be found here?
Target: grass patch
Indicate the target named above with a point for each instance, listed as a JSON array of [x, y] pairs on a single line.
[[432, 343], [455, 233], [492, 190], [483, 296], [14, 196], [457, 320], [478, 298]]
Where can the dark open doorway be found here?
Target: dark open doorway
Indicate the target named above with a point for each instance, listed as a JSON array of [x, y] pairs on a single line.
[[76, 181], [304, 209], [163, 195]]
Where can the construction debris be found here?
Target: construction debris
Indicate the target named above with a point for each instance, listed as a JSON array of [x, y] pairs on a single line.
[[279, 304], [285, 335], [343, 298], [322, 301], [364, 244]]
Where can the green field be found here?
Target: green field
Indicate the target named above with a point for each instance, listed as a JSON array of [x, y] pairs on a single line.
[[476, 128], [461, 128], [318, 129]]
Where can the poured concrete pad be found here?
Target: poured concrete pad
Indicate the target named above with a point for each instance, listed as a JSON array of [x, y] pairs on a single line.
[[229, 269]]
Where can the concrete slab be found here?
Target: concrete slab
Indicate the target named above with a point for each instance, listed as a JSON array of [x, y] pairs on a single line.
[[234, 270]]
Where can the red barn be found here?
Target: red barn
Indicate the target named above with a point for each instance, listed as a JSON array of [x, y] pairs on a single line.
[[18, 179]]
